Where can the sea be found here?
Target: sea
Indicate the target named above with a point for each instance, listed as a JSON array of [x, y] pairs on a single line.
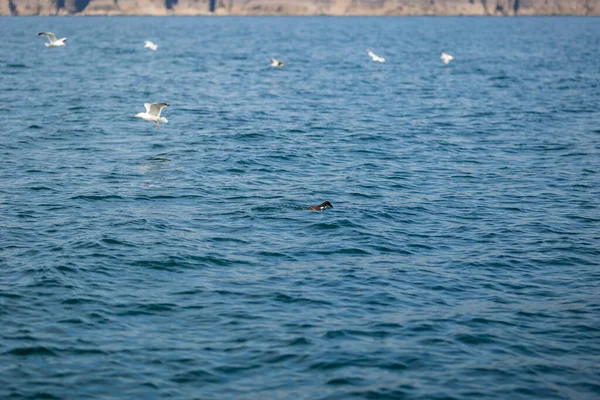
[[460, 260]]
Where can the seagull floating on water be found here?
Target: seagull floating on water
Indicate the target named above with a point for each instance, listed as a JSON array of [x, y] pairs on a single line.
[[152, 113], [375, 57], [150, 45], [446, 58], [276, 63], [52, 41]]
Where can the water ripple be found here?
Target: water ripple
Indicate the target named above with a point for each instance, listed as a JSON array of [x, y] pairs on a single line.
[[460, 259]]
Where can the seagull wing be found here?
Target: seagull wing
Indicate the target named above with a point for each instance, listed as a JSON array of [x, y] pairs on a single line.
[[51, 37], [372, 55], [446, 57], [155, 108]]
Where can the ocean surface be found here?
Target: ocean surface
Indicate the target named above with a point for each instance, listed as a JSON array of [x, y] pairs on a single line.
[[461, 259]]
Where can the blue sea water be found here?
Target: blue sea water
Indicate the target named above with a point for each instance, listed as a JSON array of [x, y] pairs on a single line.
[[461, 259]]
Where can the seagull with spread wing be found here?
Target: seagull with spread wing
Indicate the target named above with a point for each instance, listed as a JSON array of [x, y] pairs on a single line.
[[276, 63], [152, 113], [446, 58], [52, 40], [375, 57], [150, 45]]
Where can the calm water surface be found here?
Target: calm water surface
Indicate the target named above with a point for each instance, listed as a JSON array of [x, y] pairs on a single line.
[[461, 260]]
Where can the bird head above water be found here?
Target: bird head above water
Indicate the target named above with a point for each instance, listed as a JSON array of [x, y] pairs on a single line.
[[323, 206]]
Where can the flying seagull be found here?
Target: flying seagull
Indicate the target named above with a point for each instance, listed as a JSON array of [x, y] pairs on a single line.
[[276, 63], [375, 57], [150, 45], [52, 41], [152, 113], [446, 58]]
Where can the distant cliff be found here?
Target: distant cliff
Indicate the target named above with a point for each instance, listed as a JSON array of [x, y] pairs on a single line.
[[300, 7]]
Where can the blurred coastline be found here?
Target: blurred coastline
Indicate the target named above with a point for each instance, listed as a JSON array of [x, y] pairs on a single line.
[[301, 7]]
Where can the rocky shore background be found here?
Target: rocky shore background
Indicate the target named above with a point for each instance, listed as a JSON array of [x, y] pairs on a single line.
[[301, 7]]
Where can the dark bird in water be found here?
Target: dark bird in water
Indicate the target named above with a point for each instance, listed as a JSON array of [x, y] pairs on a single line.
[[323, 206]]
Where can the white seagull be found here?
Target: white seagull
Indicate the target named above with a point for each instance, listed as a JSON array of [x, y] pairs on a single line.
[[446, 58], [375, 57], [150, 45], [276, 63], [152, 113], [52, 41]]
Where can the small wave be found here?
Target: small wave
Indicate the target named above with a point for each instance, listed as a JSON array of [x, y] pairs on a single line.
[[278, 358], [191, 292], [325, 226], [31, 351], [282, 297], [97, 197], [295, 131], [41, 188], [167, 265], [328, 365], [345, 382], [72, 321], [579, 110], [146, 309], [476, 339], [196, 376], [384, 250], [186, 262], [84, 351], [111, 241], [35, 396], [349, 250], [228, 239], [301, 341], [168, 197], [235, 369], [272, 254], [77, 300]]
